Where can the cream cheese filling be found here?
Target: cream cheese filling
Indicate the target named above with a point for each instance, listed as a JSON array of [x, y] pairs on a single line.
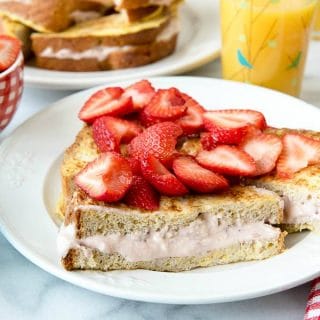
[[102, 52], [302, 209], [206, 233]]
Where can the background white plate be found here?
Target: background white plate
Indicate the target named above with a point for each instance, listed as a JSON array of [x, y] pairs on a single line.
[[199, 43], [29, 184]]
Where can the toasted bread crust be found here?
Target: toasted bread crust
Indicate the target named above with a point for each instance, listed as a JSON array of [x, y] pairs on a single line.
[[245, 204]]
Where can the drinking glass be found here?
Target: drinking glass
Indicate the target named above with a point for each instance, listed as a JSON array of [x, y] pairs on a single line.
[[265, 42]]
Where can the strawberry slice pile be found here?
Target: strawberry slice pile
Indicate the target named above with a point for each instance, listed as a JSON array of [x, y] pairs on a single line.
[[151, 123]]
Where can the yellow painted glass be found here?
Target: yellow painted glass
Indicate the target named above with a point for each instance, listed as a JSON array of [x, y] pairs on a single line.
[[265, 42]]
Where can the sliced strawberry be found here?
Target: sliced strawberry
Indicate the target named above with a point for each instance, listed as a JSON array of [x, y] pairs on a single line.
[[227, 160], [264, 149], [192, 121], [230, 126], [9, 50], [135, 166], [109, 132], [298, 152], [208, 141], [142, 195], [159, 140], [141, 93], [196, 177], [107, 178], [166, 105], [161, 178], [147, 120], [106, 102], [235, 118], [252, 131]]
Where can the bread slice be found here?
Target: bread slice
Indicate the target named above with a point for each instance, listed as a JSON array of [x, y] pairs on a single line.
[[214, 229], [44, 16], [110, 42]]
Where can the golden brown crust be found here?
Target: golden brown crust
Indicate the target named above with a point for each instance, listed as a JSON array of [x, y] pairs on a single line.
[[137, 55]]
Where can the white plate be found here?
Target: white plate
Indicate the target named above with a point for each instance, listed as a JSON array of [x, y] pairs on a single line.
[[199, 43], [29, 185]]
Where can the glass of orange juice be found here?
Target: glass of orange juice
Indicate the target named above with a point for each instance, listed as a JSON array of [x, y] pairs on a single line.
[[265, 42]]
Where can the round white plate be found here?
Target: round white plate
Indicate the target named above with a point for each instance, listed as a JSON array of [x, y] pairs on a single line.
[[29, 184], [199, 43]]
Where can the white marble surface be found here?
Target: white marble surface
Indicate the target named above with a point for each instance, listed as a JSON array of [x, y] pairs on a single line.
[[27, 292]]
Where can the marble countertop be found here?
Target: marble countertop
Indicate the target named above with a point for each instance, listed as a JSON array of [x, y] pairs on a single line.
[[27, 292]]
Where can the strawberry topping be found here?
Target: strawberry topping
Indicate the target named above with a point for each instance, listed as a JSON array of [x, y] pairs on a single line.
[[166, 105], [230, 126], [109, 132], [9, 50], [153, 165], [192, 121], [142, 195], [196, 177], [264, 149], [161, 178], [159, 140], [107, 178], [227, 160], [208, 141], [147, 120], [298, 152], [109, 102], [141, 94], [135, 166]]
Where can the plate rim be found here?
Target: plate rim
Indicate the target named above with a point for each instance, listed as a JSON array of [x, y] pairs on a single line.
[[69, 277]]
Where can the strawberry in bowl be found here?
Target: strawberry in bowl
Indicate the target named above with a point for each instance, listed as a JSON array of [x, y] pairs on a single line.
[[11, 78]]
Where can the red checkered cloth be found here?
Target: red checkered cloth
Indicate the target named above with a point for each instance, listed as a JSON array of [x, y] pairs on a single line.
[[313, 305], [11, 87]]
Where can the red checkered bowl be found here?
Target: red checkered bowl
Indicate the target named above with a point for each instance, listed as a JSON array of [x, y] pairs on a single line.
[[11, 87]]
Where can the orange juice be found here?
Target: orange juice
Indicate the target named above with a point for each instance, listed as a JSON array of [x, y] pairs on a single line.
[[265, 42]]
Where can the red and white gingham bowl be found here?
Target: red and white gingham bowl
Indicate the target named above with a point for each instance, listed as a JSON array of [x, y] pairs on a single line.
[[11, 87]]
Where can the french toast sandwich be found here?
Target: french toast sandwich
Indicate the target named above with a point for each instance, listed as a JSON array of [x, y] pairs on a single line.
[[109, 42], [180, 233]]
